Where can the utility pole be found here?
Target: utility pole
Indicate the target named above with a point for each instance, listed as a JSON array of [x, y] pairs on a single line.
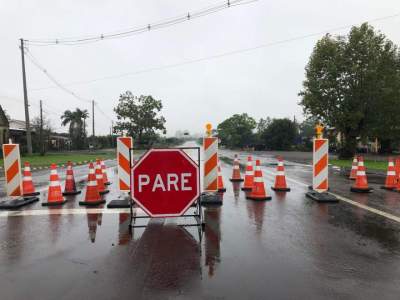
[[27, 122], [93, 123], [41, 145]]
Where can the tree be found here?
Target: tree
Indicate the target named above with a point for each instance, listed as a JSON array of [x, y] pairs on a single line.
[[139, 117], [237, 131], [280, 134], [262, 125], [307, 132], [47, 130], [77, 132], [352, 84]]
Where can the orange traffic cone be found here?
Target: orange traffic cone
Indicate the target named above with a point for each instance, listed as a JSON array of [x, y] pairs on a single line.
[[397, 187], [104, 170], [249, 175], [391, 180], [70, 186], [27, 184], [99, 177], [280, 178], [397, 167], [353, 172], [220, 183], [258, 190], [92, 195], [236, 170], [54, 194], [361, 183]]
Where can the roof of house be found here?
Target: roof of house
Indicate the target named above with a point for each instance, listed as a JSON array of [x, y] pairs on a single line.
[[3, 118], [17, 125]]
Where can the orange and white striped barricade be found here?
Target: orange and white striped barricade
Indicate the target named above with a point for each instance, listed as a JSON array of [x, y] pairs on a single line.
[[210, 179], [320, 183], [13, 183], [124, 144]]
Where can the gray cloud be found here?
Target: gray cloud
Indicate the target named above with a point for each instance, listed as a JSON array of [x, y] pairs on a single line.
[[263, 82]]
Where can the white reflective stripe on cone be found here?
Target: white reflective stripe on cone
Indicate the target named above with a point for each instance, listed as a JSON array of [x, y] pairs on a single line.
[[391, 173], [280, 173], [54, 183], [27, 178], [258, 179], [360, 173]]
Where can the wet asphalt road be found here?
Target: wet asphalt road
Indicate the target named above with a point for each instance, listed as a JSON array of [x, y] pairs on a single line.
[[286, 248]]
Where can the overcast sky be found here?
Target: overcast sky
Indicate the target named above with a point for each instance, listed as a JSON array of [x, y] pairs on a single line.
[[264, 82]]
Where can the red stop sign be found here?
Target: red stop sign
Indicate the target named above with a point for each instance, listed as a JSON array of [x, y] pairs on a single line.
[[165, 182]]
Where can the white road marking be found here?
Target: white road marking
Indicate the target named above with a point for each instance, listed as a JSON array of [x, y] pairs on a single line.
[[68, 211], [366, 207], [344, 199]]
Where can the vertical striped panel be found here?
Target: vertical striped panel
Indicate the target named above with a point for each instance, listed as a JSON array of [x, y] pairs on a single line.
[[320, 165], [123, 146], [12, 169], [210, 181]]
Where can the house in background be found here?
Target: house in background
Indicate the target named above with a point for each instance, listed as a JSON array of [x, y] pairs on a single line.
[[16, 131], [4, 127]]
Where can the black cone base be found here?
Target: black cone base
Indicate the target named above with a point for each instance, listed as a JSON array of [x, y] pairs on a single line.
[[358, 190], [54, 203], [322, 197], [17, 203], [92, 203], [119, 204], [280, 189], [387, 188], [71, 193], [222, 190], [236, 179], [266, 198], [31, 194], [104, 192], [107, 183], [246, 188]]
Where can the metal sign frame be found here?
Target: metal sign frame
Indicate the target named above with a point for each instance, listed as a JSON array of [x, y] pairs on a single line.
[[198, 213]]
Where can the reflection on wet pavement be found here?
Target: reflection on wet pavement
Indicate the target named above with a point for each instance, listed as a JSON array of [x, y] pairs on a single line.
[[286, 248]]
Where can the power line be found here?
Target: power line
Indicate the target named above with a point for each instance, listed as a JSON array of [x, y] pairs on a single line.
[[102, 112], [59, 85], [141, 29], [212, 57], [47, 110], [52, 78]]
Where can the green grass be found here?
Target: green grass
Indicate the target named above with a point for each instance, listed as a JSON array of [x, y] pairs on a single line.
[[369, 164], [61, 158]]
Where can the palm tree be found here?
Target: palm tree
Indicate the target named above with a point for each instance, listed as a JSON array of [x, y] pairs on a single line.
[[85, 115], [76, 120]]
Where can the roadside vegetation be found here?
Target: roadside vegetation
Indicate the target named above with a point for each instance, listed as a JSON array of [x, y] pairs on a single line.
[[369, 164], [37, 160], [352, 86]]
